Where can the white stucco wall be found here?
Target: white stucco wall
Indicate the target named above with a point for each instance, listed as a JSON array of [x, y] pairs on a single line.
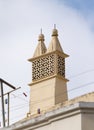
[[79, 116], [70, 123], [88, 121]]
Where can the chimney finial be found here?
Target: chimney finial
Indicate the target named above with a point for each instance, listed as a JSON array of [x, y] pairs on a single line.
[[54, 26], [41, 31]]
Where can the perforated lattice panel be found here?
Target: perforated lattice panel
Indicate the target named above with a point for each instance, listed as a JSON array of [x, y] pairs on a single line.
[[43, 67], [61, 66]]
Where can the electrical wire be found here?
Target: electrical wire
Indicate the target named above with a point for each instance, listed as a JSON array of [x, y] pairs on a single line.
[[84, 85], [73, 76], [16, 106], [19, 107], [39, 101], [20, 97], [16, 117], [82, 73], [70, 77]]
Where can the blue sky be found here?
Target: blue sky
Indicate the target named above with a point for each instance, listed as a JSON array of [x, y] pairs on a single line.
[[20, 24], [86, 5]]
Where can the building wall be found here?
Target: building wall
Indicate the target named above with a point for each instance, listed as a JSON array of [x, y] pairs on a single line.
[[42, 95], [84, 98], [60, 91], [79, 116], [70, 123], [88, 121], [46, 94]]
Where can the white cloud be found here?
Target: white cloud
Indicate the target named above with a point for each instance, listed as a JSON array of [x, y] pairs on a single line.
[[19, 29]]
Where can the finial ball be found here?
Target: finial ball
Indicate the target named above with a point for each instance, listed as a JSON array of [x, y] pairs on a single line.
[[55, 32], [41, 37]]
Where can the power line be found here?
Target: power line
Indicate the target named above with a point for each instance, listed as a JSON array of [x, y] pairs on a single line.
[[20, 97], [16, 117], [73, 76], [19, 107], [82, 73], [16, 106], [84, 85], [38, 101]]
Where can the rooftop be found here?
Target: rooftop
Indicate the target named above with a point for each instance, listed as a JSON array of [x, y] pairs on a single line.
[[56, 114], [84, 103]]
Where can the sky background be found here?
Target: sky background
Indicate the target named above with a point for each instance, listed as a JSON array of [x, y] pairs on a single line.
[[20, 24]]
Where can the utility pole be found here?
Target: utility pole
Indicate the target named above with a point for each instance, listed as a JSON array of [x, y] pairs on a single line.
[[8, 106], [2, 99], [8, 96], [2, 102]]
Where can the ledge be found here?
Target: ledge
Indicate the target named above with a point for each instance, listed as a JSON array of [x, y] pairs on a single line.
[[59, 113]]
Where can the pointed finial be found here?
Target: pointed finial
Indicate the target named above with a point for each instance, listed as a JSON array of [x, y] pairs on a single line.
[[41, 31], [41, 36], [54, 32], [54, 26]]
